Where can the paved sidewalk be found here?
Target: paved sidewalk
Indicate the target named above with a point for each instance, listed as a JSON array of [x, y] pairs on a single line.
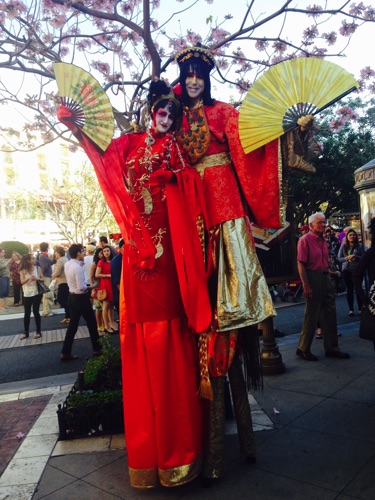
[[315, 435]]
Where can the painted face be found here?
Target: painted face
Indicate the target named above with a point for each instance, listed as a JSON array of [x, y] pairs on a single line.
[[194, 84], [163, 120]]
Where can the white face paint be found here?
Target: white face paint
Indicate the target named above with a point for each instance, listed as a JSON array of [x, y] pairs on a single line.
[[163, 120], [194, 85]]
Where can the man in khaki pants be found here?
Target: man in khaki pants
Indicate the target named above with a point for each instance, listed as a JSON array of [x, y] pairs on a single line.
[[320, 296], [46, 266]]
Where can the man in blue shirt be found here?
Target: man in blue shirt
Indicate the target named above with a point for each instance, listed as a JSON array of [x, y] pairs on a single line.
[[116, 267]]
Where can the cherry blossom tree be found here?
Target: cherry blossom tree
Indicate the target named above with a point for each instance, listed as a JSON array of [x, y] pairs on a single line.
[[125, 43]]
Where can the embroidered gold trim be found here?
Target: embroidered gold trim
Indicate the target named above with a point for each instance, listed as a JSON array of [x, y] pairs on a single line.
[[180, 475], [216, 160], [143, 478]]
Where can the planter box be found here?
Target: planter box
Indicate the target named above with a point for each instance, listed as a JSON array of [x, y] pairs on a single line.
[[90, 420]]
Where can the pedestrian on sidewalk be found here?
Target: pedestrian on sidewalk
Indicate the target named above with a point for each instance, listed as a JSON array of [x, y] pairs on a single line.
[[16, 280], [313, 268], [58, 274], [349, 255], [30, 273], [116, 268], [79, 304], [4, 279], [46, 266]]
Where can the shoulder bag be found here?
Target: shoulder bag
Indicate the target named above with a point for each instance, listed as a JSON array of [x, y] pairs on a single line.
[[101, 295], [42, 288]]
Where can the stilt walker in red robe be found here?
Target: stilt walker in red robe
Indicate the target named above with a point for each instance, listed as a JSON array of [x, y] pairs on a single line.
[[149, 185]]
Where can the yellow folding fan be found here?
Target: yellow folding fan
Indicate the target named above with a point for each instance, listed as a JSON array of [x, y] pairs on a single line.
[[286, 92]]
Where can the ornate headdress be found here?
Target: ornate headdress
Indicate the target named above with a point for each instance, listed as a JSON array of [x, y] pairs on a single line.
[[194, 53], [159, 91]]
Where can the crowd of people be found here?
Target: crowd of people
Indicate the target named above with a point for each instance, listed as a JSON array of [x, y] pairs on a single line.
[[23, 273]]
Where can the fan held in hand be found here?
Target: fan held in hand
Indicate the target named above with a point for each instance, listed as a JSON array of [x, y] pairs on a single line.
[[83, 95], [286, 92]]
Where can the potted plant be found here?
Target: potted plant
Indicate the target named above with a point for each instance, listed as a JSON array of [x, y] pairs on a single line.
[[94, 404]]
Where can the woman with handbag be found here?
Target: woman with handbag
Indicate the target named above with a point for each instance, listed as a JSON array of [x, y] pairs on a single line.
[[94, 283], [349, 255], [367, 266], [30, 274], [104, 291]]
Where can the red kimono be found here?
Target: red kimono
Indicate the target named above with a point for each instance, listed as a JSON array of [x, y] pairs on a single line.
[[162, 294]]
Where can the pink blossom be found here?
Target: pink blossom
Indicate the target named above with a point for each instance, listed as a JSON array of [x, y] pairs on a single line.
[[127, 8], [279, 47], [177, 44], [242, 86], [371, 88], [64, 51], [347, 29], [20, 435], [311, 33], [319, 53], [193, 38], [370, 13], [330, 37], [357, 10], [347, 114], [314, 10], [84, 44], [218, 34], [336, 126], [261, 45], [222, 63], [210, 1], [58, 21], [47, 39], [102, 67], [367, 73]]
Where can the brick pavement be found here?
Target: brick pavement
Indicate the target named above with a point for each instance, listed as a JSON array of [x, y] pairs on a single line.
[[17, 416]]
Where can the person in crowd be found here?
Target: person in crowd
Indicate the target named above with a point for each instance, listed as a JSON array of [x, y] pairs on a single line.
[[94, 283], [30, 273], [103, 273], [16, 280], [240, 296], [366, 269], [116, 268], [46, 266], [79, 305], [4, 280], [342, 235], [62, 285], [158, 212], [103, 241], [332, 240], [304, 229], [313, 268], [88, 260], [349, 256]]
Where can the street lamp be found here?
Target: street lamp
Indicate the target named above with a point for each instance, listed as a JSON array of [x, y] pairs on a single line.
[[365, 185]]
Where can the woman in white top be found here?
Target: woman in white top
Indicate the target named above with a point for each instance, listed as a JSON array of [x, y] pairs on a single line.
[[30, 274]]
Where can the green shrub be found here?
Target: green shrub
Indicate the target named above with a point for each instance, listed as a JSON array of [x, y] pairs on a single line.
[[95, 398], [14, 246]]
